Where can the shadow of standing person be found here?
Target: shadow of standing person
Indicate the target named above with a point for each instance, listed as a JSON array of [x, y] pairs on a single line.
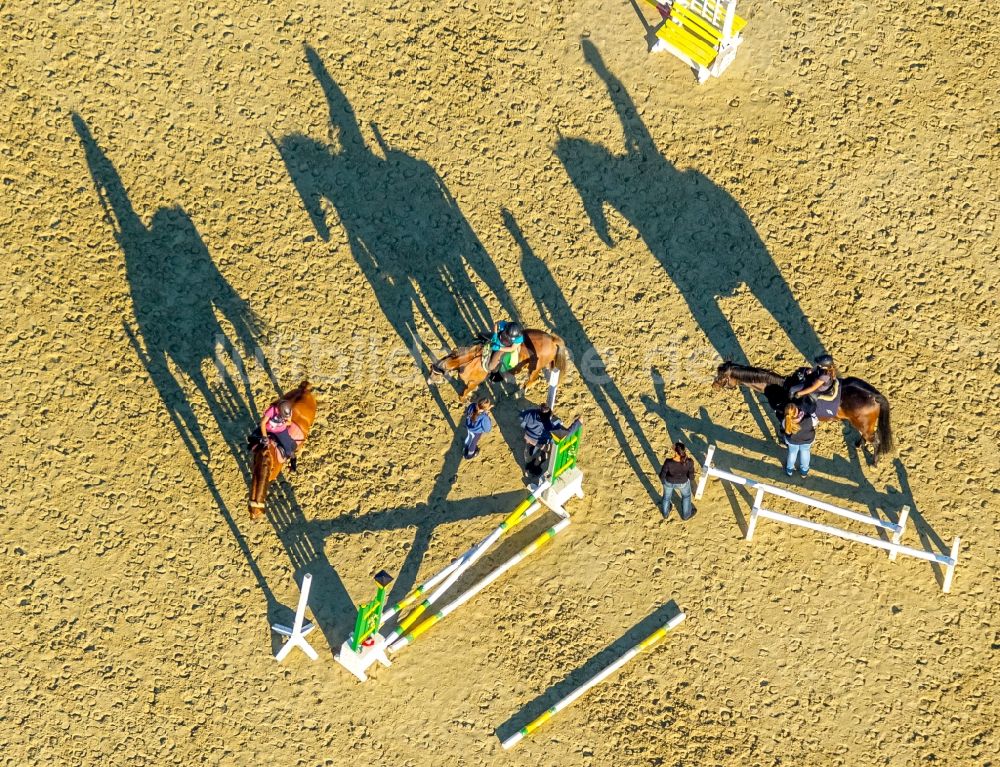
[[559, 317], [176, 292], [405, 230]]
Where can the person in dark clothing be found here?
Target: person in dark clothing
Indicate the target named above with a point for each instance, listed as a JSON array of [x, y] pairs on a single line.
[[799, 433], [539, 424], [477, 423], [677, 473], [819, 380]]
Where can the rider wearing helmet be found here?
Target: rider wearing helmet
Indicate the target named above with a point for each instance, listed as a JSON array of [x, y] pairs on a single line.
[[819, 380], [275, 424], [507, 339]]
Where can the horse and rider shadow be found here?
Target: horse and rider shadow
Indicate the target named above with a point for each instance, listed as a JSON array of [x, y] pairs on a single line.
[[699, 432], [405, 230], [702, 238], [177, 296]]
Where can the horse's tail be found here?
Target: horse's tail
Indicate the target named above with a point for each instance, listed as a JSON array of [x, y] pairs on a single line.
[[562, 355], [885, 441]]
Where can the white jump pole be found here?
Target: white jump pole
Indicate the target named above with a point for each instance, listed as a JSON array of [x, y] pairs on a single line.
[[752, 525], [553, 388], [948, 561], [522, 512], [736, 479], [706, 472], [949, 573], [297, 633], [904, 515], [600, 676], [497, 572]]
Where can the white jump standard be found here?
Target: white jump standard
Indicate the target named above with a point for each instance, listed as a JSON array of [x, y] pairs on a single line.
[[896, 529], [297, 633]]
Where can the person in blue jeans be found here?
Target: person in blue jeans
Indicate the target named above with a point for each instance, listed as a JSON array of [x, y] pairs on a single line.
[[799, 433], [477, 423], [677, 473]]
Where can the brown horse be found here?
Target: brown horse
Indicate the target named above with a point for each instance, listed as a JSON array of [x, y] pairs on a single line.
[[539, 351], [267, 461], [860, 403]]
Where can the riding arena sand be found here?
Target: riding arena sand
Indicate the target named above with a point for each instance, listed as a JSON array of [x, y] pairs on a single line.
[[195, 191]]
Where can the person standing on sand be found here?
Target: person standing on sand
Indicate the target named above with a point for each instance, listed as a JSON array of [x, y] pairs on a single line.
[[800, 432], [477, 423], [677, 473]]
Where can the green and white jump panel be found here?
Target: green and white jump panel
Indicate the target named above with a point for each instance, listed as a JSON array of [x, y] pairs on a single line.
[[895, 529], [704, 34]]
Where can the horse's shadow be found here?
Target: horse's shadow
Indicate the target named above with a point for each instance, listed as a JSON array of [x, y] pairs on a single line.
[[700, 235], [177, 296], [405, 230]]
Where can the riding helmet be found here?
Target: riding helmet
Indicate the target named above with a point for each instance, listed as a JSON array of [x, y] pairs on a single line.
[[513, 330], [824, 361]]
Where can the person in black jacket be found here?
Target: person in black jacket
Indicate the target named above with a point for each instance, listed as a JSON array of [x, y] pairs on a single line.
[[800, 432], [677, 473]]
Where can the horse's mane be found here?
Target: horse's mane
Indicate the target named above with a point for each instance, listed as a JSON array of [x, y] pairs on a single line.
[[751, 375]]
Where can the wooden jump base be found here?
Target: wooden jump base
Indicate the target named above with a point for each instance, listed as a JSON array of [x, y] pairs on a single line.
[[600, 676], [704, 34], [893, 545], [561, 481]]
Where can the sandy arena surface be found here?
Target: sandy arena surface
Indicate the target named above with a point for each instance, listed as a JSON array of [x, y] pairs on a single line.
[[331, 183]]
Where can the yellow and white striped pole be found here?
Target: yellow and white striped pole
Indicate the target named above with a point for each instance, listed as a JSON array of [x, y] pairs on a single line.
[[570, 699], [525, 509], [445, 611], [419, 591]]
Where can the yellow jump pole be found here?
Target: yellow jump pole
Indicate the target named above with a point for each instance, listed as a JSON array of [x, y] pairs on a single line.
[[570, 699], [525, 509], [445, 611]]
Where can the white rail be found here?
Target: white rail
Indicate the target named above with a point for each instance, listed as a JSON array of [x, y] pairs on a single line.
[[893, 545]]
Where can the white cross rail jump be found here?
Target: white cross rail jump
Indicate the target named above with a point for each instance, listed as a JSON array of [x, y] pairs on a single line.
[[896, 529]]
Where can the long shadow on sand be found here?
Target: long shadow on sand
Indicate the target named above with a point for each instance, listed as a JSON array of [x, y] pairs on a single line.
[[699, 234], [422, 261], [560, 318], [695, 229], [405, 230], [177, 293]]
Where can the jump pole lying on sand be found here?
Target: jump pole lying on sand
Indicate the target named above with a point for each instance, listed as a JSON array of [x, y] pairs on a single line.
[[445, 611], [600, 676], [893, 545]]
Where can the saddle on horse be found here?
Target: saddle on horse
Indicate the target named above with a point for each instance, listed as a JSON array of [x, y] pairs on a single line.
[[287, 441], [823, 403]]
